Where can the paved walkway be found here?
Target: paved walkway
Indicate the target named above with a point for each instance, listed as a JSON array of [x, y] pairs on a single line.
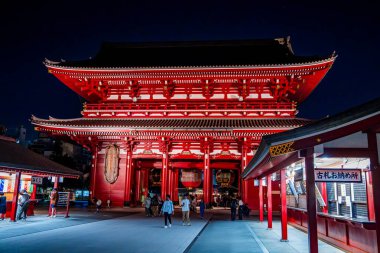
[[124, 230], [250, 236], [105, 232]]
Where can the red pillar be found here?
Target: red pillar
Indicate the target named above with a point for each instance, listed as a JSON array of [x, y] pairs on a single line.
[[164, 175], [207, 187], [138, 186], [311, 200], [175, 185], [375, 170], [128, 179], [369, 190], [94, 166], [244, 183], [15, 196], [269, 197], [145, 180], [284, 211], [324, 196], [261, 201]]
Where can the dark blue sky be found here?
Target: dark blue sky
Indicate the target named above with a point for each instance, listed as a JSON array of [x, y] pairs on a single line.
[[72, 30]]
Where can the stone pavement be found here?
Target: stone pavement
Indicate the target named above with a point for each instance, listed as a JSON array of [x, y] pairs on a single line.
[[128, 230], [104, 232]]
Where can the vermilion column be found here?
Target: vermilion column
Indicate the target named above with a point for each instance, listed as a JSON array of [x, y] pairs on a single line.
[[15, 196], [369, 190], [375, 170], [170, 182], [244, 183], [269, 197], [284, 211], [94, 171], [128, 179], [164, 175], [324, 196], [207, 177], [175, 185], [138, 186], [311, 200], [261, 201]]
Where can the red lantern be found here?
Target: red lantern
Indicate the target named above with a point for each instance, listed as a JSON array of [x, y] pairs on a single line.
[[191, 178]]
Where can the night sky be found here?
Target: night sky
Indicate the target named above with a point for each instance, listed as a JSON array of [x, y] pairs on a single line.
[[74, 30]]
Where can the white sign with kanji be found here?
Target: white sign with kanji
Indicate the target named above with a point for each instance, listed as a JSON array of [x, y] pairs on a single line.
[[338, 175], [36, 180]]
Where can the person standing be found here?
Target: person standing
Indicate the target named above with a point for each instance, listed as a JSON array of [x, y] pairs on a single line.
[[147, 203], [23, 204], [53, 202], [185, 204], [3, 205], [240, 209], [233, 209], [168, 210], [98, 205], [202, 208]]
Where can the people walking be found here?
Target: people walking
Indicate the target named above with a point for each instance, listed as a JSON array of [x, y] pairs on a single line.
[[22, 205], [233, 209], [168, 210], [98, 205], [147, 203], [202, 208], [240, 209], [185, 204], [3, 205], [53, 202]]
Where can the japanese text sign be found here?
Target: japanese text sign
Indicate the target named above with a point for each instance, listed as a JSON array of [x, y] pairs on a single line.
[[338, 175]]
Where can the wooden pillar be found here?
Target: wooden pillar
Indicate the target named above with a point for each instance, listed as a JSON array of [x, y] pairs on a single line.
[[138, 186], [284, 211], [175, 185], [311, 200], [164, 175], [94, 166], [244, 183], [33, 197], [323, 185], [261, 201], [375, 170], [207, 177], [128, 179], [269, 197], [170, 182], [369, 190], [145, 180], [15, 196]]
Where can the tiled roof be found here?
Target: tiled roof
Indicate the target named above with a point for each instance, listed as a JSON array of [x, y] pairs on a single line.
[[188, 54], [17, 158], [175, 123]]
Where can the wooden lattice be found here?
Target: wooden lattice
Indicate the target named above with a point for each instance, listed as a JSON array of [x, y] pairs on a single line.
[[281, 149]]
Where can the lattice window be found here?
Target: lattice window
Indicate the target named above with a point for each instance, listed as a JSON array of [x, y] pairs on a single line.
[[360, 211]]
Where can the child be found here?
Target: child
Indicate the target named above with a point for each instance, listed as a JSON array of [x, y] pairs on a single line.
[[3, 205], [168, 209]]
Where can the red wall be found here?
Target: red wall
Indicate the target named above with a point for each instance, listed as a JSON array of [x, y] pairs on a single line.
[[104, 190], [253, 196]]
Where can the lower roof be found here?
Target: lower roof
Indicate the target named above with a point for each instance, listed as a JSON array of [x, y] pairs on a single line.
[[174, 123], [15, 158]]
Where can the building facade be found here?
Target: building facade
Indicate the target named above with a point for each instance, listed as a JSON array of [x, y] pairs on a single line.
[[170, 118]]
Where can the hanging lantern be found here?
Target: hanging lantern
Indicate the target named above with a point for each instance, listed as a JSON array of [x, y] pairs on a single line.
[[191, 178]]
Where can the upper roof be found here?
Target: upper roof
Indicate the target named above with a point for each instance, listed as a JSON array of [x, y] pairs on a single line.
[[14, 157], [176, 123], [276, 148], [188, 54]]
